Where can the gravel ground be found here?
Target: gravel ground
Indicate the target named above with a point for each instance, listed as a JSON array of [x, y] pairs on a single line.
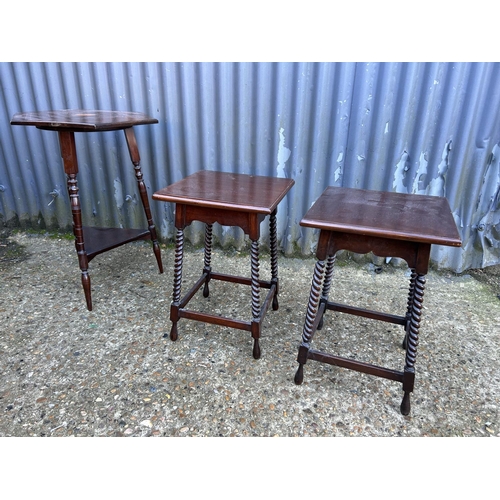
[[65, 371]]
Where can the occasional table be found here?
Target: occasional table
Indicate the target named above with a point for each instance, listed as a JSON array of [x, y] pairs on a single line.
[[389, 225], [231, 200], [91, 241]]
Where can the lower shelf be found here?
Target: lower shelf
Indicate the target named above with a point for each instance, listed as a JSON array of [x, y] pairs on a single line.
[[101, 239]]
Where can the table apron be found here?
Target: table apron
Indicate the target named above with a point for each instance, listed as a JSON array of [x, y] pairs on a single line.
[[416, 254], [248, 221]]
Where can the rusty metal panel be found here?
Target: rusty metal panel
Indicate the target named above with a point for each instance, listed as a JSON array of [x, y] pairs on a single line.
[[431, 128]]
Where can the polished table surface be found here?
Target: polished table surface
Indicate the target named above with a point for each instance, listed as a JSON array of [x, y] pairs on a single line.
[[398, 216], [237, 192], [82, 120]]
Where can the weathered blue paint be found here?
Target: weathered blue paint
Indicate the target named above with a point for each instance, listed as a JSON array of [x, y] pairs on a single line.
[[430, 128]]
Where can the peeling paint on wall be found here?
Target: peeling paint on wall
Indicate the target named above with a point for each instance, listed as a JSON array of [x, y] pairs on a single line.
[[118, 193], [421, 175], [283, 154], [400, 174], [488, 227], [437, 185], [338, 171]]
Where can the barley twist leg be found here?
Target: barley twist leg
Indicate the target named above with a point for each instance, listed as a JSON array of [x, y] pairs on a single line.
[[208, 258], [176, 298], [255, 298], [327, 284], [411, 294], [274, 258], [312, 310], [412, 342]]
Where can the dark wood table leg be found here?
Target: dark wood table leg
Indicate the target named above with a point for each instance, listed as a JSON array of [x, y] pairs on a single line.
[[136, 160], [207, 268], [68, 153], [309, 324], [274, 257], [256, 316], [176, 298], [412, 341], [411, 294], [327, 284]]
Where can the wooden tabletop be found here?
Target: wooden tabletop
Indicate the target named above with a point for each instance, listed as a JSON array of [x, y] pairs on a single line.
[[81, 120], [400, 216], [240, 192]]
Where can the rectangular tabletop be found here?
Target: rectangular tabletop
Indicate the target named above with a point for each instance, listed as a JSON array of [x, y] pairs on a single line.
[[240, 192], [411, 217], [81, 120]]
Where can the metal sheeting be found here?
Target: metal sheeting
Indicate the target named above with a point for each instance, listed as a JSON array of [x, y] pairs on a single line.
[[431, 128]]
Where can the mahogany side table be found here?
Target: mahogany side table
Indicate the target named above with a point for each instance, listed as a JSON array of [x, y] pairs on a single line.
[[231, 200], [387, 224], [91, 241]]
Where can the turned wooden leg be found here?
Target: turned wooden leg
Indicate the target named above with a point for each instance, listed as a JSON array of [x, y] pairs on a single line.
[[176, 298], [327, 284], [255, 298], [274, 258], [134, 156], [410, 305], [208, 257], [79, 241], [312, 311], [412, 341], [70, 161]]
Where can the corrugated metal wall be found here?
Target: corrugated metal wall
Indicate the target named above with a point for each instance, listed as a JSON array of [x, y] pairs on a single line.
[[430, 128]]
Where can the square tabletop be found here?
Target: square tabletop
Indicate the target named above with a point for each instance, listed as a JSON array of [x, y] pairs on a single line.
[[400, 216], [239, 192], [82, 120]]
